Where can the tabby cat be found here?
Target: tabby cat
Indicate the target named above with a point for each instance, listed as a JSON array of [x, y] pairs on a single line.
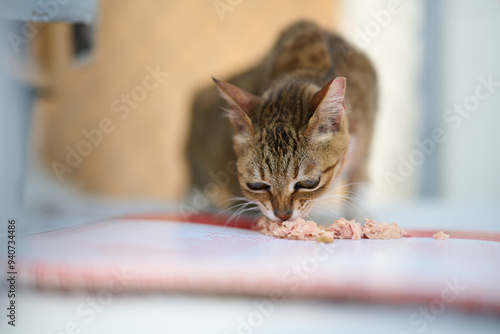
[[297, 121]]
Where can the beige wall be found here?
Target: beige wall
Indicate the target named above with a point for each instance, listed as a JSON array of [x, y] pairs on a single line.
[[141, 155]]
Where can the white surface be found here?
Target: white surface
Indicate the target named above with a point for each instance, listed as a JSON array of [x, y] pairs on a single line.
[[49, 313]]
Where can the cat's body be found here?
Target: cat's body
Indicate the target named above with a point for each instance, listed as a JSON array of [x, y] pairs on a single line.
[[289, 124]]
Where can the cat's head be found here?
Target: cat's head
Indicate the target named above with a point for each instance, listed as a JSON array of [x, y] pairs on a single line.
[[290, 143]]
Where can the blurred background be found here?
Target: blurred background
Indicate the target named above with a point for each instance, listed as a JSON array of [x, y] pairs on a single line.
[[95, 100], [94, 112]]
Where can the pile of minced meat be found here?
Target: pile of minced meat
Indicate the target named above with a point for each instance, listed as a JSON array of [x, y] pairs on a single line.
[[300, 229]]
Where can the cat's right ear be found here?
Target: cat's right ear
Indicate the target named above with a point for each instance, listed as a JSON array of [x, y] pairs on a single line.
[[241, 105], [329, 109]]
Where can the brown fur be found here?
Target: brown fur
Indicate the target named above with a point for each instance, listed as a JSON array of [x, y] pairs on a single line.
[[289, 122]]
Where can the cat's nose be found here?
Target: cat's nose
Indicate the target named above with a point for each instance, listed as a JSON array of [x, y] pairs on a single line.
[[283, 215]]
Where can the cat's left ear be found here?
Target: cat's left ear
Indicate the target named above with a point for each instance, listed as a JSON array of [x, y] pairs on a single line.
[[241, 105], [329, 108]]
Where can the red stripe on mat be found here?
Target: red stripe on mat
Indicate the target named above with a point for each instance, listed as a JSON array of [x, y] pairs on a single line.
[[246, 223]]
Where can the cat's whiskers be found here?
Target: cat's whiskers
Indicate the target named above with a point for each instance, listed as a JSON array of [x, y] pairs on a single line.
[[346, 202], [237, 215], [237, 207], [241, 210], [347, 197], [312, 206], [353, 206], [357, 200], [232, 208], [234, 199], [257, 217], [325, 215], [325, 210]]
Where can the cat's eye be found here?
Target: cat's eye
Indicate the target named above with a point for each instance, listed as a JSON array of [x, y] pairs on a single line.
[[256, 186], [307, 184]]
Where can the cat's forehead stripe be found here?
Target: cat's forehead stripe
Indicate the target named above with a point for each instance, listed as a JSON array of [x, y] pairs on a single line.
[[267, 160], [288, 103]]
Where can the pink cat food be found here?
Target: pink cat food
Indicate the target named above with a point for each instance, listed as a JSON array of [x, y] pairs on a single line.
[[298, 229], [342, 228], [346, 229], [374, 230], [441, 236]]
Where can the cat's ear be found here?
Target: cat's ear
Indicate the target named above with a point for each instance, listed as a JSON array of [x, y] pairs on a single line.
[[329, 109], [241, 105]]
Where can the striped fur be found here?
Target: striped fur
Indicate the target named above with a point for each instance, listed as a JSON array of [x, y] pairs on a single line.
[[290, 122]]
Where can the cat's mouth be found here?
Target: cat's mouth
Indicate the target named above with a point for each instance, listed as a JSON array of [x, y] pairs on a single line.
[[271, 215]]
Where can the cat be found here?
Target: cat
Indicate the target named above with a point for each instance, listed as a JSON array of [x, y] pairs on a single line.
[[298, 120]]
